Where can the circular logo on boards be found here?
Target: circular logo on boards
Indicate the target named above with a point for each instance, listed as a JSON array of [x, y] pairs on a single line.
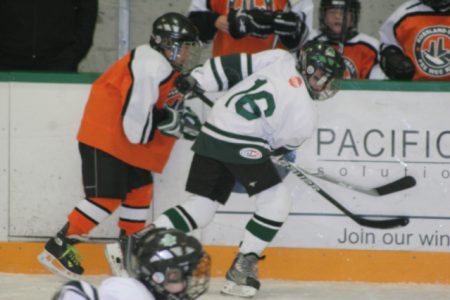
[[250, 153], [431, 51]]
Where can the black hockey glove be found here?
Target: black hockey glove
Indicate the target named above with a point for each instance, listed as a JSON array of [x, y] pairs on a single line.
[[286, 23], [185, 83], [255, 22], [395, 64]]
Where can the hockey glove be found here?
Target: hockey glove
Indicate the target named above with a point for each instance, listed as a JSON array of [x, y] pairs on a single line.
[[185, 83], [171, 124], [286, 23], [190, 124], [290, 28], [255, 22], [395, 64]]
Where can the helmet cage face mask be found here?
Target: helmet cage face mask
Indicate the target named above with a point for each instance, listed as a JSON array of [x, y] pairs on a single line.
[[354, 7], [172, 49], [178, 271], [171, 33], [437, 4], [323, 68]]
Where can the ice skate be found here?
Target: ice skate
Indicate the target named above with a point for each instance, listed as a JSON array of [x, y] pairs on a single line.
[[61, 257], [242, 277]]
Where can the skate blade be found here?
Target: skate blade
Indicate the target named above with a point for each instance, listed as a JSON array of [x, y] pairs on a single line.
[[114, 257], [53, 265], [231, 288]]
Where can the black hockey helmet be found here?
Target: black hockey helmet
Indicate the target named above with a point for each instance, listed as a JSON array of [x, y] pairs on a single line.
[[437, 4], [321, 63], [352, 6], [170, 263], [172, 31]]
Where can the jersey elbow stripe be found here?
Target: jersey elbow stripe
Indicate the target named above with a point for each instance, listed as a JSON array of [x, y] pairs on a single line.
[[219, 74], [147, 129], [237, 67]]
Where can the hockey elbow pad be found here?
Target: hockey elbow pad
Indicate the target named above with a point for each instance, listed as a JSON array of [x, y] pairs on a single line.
[[395, 64]]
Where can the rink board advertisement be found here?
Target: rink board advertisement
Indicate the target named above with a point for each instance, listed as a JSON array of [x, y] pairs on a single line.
[[368, 138]]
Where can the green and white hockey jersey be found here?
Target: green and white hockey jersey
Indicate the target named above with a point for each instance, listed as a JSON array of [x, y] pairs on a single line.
[[266, 106]]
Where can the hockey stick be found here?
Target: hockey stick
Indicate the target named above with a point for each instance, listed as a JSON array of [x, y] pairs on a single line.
[[381, 224], [389, 188]]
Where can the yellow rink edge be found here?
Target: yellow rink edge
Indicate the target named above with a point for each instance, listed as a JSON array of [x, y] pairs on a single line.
[[280, 263]]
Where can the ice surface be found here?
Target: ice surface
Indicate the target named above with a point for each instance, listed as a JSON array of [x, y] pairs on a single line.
[[42, 287]]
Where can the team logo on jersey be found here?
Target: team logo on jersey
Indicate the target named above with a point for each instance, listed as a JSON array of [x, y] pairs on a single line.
[[250, 153], [295, 81], [174, 97], [431, 50], [351, 72]]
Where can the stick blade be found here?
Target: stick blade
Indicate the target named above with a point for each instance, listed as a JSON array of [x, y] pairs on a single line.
[[396, 186], [382, 224]]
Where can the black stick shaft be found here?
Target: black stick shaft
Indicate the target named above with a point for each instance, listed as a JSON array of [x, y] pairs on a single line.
[[381, 224]]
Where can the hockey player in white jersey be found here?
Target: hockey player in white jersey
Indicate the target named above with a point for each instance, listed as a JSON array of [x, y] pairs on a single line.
[[163, 264], [267, 110]]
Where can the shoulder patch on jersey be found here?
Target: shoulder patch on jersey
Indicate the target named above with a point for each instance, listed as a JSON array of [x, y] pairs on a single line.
[[431, 50], [295, 81], [250, 153]]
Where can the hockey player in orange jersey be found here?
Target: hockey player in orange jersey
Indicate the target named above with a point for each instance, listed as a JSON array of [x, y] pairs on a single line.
[[415, 41], [360, 50], [131, 121], [251, 26]]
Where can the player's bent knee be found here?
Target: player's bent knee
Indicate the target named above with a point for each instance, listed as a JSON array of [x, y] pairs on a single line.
[[274, 203]]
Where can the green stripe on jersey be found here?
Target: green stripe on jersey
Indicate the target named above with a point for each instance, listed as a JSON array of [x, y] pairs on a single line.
[[249, 64], [216, 74], [232, 68]]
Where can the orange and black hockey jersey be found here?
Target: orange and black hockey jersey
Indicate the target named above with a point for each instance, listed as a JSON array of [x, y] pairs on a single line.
[[118, 116], [224, 43], [423, 34], [360, 56]]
